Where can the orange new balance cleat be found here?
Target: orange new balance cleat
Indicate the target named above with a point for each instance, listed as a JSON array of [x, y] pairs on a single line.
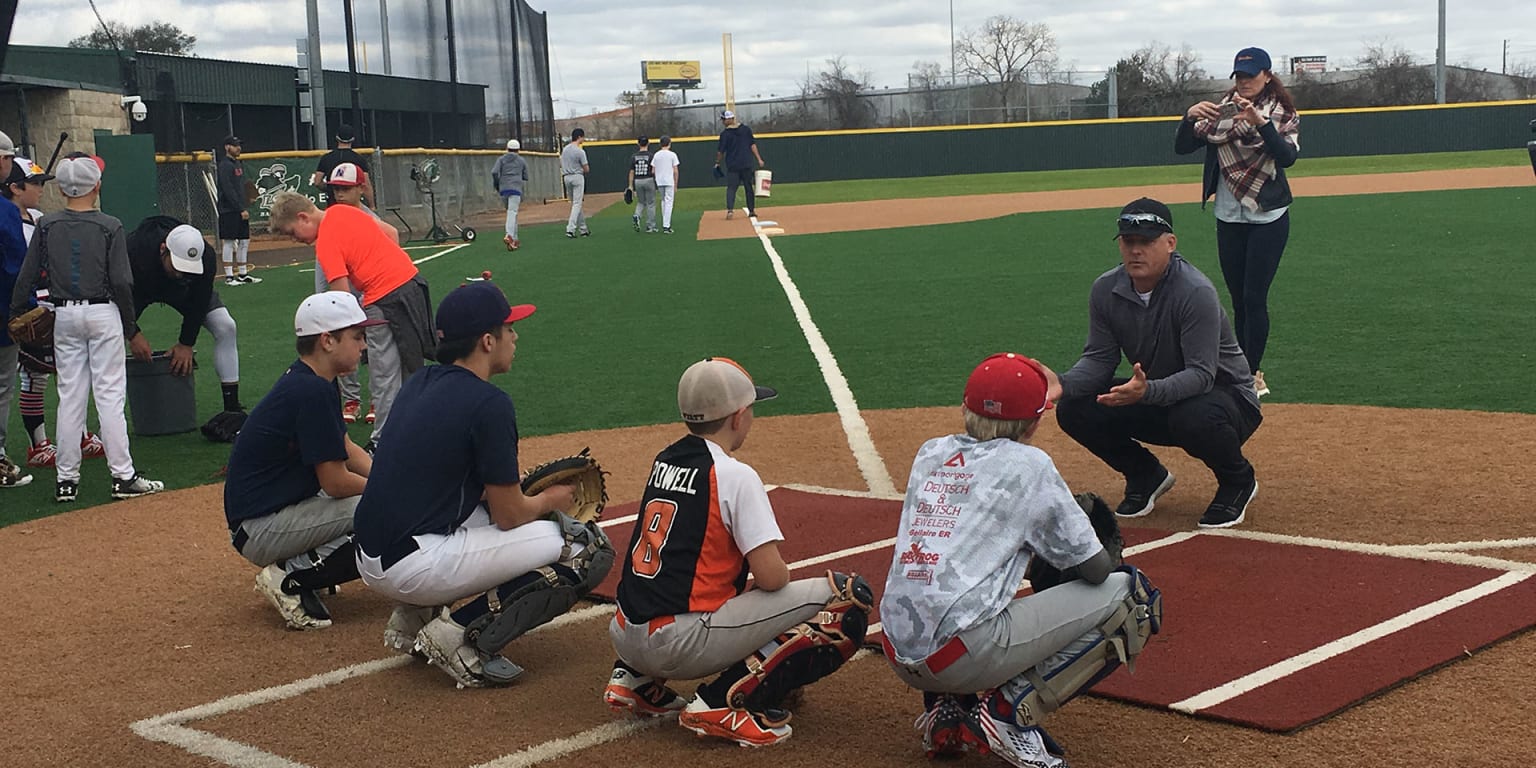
[[629, 691], [748, 729]]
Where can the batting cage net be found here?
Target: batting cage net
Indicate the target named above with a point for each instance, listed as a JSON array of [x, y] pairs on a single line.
[[503, 44]]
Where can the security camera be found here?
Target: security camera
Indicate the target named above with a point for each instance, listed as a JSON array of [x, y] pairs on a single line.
[[136, 108]]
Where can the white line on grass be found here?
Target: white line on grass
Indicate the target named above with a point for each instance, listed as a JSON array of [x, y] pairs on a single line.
[[864, 451], [1322, 653], [439, 254]]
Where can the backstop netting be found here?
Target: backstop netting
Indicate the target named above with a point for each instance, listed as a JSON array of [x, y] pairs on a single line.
[[503, 44]]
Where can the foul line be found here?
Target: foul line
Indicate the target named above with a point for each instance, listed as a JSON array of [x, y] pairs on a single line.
[[1324, 652], [439, 254], [1410, 552], [859, 440]]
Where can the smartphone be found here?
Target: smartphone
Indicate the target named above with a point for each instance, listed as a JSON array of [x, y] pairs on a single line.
[[1228, 109]]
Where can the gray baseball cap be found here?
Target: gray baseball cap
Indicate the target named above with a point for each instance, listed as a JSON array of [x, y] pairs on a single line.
[[7, 147]]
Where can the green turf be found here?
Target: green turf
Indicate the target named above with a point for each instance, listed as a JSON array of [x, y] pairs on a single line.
[[788, 193], [1413, 300], [1410, 300]]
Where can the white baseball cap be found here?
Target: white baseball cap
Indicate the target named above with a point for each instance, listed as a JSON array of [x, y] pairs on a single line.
[[727, 115], [716, 387], [513, 145], [185, 244], [330, 312], [7, 147], [346, 175], [77, 175]]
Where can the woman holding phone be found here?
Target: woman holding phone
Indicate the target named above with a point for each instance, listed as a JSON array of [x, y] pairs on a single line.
[[1250, 137]]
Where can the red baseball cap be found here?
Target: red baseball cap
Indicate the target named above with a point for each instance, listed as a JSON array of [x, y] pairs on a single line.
[[1007, 386]]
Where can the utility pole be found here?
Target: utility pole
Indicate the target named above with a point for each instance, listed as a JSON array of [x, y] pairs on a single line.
[[357, 90], [952, 43], [1440, 60], [1504, 69], [384, 34], [320, 136]]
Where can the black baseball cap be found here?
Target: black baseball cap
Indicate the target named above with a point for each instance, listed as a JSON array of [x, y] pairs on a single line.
[[476, 308], [232, 139], [1145, 217], [24, 171], [345, 133]]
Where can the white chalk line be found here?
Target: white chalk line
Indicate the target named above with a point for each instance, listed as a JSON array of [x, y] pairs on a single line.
[[1322, 653], [1410, 552], [439, 254], [1468, 546], [871, 466]]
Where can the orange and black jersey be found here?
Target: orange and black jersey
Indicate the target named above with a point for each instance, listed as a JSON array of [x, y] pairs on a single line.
[[701, 512]]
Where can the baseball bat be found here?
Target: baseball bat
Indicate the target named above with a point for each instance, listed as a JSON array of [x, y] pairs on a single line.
[[63, 137]]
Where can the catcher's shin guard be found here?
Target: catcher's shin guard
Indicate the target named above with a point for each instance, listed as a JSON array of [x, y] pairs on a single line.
[[809, 651], [537, 597], [1044, 688]]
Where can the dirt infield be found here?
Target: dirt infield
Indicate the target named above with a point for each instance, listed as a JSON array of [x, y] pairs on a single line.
[[140, 609], [887, 214]]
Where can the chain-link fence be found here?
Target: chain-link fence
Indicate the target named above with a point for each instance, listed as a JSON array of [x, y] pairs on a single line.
[[459, 184]]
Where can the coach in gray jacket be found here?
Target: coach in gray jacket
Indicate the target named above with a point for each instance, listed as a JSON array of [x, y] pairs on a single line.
[[1189, 385], [509, 174]]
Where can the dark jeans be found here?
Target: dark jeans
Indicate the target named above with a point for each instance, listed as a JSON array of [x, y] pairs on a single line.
[[740, 177], [1250, 257], [1211, 427]]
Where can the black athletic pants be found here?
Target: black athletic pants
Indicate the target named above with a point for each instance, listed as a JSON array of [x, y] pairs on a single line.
[[1211, 427], [740, 177], [1250, 257]]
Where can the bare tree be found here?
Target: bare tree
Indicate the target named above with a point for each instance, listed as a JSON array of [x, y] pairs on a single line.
[[152, 37], [1525, 72], [928, 79], [839, 86], [1153, 80], [1392, 77], [1005, 51]]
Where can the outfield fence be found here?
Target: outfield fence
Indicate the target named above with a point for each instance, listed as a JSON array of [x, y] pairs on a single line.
[[462, 187]]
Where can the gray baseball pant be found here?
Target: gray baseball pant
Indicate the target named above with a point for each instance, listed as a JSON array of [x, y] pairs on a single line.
[[576, 190], [645, 199], [1029, 631], [314, 527], [701, 644], [351, 388], [8, 376]]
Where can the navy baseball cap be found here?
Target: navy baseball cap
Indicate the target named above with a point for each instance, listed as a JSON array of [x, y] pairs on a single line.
[[1145, 217], [1250, 62], [470, 310]]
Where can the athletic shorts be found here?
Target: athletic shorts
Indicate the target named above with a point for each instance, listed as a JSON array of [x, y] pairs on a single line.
[[232, 227]]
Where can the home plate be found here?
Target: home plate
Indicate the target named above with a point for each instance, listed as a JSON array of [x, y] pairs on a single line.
[[760, 223]]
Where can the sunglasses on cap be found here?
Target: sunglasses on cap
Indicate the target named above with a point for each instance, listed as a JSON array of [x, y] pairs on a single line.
[[1136, 219]]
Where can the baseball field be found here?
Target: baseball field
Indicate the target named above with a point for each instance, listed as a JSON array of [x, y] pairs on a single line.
[[1393, 509]]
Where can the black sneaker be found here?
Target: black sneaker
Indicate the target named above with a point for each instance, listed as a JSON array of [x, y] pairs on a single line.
[[309, 600], [135, 486], [571, 235], [1230, 505], [66, 490], [586, 233], [1141, 492], [666, 230]]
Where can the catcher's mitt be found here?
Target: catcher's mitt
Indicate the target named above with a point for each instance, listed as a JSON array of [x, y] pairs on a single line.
[[629, 196], [580, 471], [34, 326], [1043, 575], [223, 427], [37, 358]]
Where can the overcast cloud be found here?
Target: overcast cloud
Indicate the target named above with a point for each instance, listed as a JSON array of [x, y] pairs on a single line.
[[597, 45]]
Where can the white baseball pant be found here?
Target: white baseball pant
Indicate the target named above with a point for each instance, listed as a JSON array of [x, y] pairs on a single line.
[[89, 352]]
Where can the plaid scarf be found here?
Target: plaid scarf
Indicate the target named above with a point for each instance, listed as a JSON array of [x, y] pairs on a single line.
[[1244, 163]]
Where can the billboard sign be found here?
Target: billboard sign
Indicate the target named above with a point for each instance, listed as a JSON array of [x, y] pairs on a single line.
[[1309, 64], [670, 74]]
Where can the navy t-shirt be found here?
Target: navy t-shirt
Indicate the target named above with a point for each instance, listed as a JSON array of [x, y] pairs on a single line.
[[295, 427], [460, 435], [736, 143]]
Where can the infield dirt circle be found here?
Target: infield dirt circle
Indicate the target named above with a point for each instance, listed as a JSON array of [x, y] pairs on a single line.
[[136, 609]]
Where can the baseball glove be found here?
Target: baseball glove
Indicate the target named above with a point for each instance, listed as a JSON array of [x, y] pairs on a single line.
[[629, 196], [37, 358], [1043, 575], [580, 471], [34, 326], [223, 427]]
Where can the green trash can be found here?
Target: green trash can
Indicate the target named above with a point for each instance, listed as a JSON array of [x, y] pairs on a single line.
[[159, 402]]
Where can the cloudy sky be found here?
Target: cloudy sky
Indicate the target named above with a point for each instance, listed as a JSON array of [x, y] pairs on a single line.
[[597, 45]]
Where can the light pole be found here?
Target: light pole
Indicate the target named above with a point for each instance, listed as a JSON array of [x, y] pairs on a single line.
[[1440, 60], [951, 43]]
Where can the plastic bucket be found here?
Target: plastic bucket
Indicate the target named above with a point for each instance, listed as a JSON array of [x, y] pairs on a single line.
[[763, 183], [160, 403]]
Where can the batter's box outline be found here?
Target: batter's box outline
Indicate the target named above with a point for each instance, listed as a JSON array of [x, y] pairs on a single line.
[[172, 728]]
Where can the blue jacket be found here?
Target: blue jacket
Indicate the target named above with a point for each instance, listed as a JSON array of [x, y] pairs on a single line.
[[13, 250]]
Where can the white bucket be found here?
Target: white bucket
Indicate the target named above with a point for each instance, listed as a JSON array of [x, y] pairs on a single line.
[[762, 182]]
